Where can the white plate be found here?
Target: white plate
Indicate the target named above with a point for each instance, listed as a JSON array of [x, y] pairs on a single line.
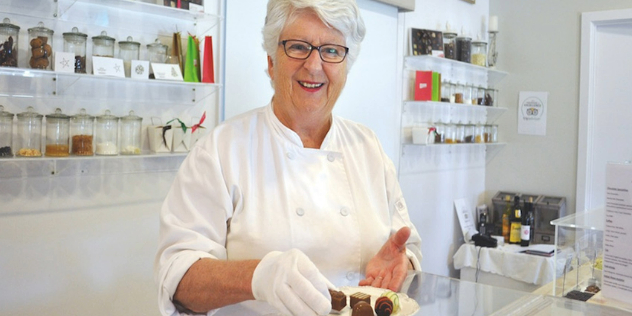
[[407, 306]]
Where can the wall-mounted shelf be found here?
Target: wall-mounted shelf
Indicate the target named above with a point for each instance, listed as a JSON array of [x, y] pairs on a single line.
[[32, 83], [456, 70], [417, 159], [21, 167], [416, 112]]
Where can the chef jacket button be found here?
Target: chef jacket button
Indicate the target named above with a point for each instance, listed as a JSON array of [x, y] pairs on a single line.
[[331, 157], [300, 211], [290, 155], [344, 211], [350, 275]]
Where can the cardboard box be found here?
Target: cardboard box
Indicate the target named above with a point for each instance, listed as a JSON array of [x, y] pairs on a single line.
[[423, 85]]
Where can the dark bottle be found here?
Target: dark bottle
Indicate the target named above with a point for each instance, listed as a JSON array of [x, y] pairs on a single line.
[[514, 227], [482, 224], [527, 222]]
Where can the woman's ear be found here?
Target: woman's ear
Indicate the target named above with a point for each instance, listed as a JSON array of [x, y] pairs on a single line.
[[270, 68]]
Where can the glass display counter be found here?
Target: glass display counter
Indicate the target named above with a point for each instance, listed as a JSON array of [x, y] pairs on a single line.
[[579, 241], [439, 295]]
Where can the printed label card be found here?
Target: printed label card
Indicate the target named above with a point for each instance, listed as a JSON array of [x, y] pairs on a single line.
[[106, 66]]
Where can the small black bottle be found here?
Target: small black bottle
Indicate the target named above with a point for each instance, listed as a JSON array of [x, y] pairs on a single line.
[[527, 222]]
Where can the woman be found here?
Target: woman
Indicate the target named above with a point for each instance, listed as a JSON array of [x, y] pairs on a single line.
[[281, 203]]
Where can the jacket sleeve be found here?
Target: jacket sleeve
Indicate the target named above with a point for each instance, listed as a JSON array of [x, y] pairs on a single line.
[[193, 222]]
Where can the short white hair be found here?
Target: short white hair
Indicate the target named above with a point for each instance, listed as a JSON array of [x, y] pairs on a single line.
[[342, 15]]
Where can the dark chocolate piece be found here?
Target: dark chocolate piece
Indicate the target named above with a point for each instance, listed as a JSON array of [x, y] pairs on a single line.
[[338, 300], [362, 308], [359, 297], [580, 296], [383, 306]]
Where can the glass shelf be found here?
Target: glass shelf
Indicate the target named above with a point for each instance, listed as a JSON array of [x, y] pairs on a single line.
[[21, 167], [456, 70], [431, 111], [30, 83]]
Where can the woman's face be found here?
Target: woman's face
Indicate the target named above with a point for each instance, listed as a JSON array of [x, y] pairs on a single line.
[[310, 85]]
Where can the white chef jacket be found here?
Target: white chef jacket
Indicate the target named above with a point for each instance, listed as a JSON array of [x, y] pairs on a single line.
[[250, 187]]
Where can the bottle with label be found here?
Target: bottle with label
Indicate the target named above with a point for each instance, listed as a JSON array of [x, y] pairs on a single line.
[[516, 221], [525, 230], [506, 215]]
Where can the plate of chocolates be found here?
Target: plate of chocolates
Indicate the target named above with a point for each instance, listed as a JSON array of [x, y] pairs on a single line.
[[370, 301]]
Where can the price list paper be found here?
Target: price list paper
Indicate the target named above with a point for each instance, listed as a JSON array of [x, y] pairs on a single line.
[[617, 258]]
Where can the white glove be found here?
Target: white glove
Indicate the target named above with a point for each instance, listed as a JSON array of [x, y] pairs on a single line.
[[291, 283]]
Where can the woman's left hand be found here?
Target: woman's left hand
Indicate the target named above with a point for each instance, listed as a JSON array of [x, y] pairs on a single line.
[[388, 268]]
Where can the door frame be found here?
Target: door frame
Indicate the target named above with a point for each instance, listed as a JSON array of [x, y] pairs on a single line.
[[590, 21]]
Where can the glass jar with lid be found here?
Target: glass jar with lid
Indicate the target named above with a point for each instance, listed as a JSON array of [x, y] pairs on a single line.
[[81, 133], [41, 47], [446, 91], [57, 134], [468, 133], [128, 51], [459, 133], [29, 141], [479, 134], [490, 97], [463, 49], [479, 53], [449, 45], [458, 92], [467, 94], [75, 43], [156, 53], [103, 45], [449, 134], [6, 133], [480, 95], [106, 134], [131, 130], [491, 133], [439, 133], [474, 94], [9, 34]]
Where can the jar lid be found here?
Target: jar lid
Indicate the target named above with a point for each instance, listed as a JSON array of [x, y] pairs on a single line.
[[104, 36], [4, 113], [156, 44], [449, 34], [6, 24], [131, 117], [58, 115], [82, 115], [30, 112], [479, 43], [41, 29], [107, 116], [129, 42], [75, 32]]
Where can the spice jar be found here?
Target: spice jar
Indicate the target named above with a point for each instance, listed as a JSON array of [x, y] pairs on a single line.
[[458, 92], [459, 133], [41, 47], [474, 95], [468, 133], [479, 53], [446, 91], [103, 45], [75, 43], [81, 133], [467, 94], [479, 134], [29, 139], [57, 134], [106, 134], [439, 133], [6, 133], [490, 97], [491, 133], [480, 95], [128, 51], [449, 134], [8, 43], [463, 48], [131, 129], [449, 45]]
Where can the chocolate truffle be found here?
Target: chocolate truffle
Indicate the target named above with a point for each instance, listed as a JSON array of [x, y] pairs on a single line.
[[362, 308], [383, 306], [359, 297], [338, 300], [394, 298]]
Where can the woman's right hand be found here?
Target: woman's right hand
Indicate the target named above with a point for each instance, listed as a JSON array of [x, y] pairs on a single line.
[[291, 283]]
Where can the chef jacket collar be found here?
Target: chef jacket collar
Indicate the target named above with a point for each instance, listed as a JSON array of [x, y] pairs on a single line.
[[292, 136]]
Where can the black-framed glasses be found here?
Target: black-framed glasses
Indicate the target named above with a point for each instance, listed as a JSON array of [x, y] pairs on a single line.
[[329, 53]]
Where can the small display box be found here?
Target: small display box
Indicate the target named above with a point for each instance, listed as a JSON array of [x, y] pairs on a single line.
[[547, 209], [427, 42]]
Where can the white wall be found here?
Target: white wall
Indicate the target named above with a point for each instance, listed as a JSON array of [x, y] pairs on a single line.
[[539, 45]]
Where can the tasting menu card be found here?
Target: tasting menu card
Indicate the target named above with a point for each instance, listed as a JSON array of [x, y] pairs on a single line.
[[617, 258]]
